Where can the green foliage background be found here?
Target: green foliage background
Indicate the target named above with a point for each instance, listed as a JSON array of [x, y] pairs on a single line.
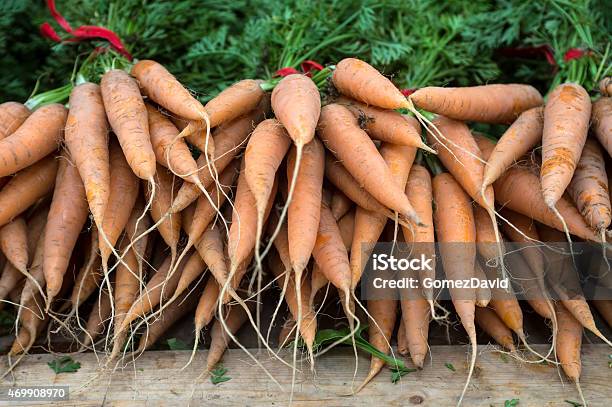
[[210, 44]]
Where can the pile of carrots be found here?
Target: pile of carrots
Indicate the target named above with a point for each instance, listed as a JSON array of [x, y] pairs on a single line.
[[287, 187]]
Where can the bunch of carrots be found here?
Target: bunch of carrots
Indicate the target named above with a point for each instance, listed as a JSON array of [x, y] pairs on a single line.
[[257, 184]]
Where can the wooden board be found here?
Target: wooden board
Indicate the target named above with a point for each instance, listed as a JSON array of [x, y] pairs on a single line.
[[158, 378]]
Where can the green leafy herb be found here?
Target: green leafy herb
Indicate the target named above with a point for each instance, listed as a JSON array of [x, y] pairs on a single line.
[[397, 373], [511, 403], [176, 344], [573, 403], [504, 358], [450, 366], [217, 375], [64, 365]]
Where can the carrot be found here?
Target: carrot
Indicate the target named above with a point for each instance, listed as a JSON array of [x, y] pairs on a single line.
[[204, 212], [362, 82], [185, 303], [194, 135], [87, 281], [38, 136], [488, 320], [25, 188], [566, 123], [233, 102], [383, 314], [386, 125], [308, 322], [454, 223], [415, 324], [127, 116], [65, 220], [136, 227], [242, 233], [589, 188], [340, 204], [164, 89], [483, 294], [518, 190], [485, 235], [87, 139], [605, 309], [317, 282], [170, 225], [9, 280], [159, 288], [14, 243], [171, 153], [569, 343], [97, 320], [402, 341], [419, 193], [219, 337], [12, 115], [207, 305], [499, 103], [265, 151], [193, 268], [287, 328], [601, 122], [524, 134], [341, 134], [124, 189], [367, 230], [210, 248], [229, 140], [127, 288], [337, 174], [35, 281], [305, 208], [32, 324]]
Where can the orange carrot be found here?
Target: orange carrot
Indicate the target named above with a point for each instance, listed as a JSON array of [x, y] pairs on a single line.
[[589, 188], [340, 177], [483, 294], [343, 137], [605, 86], [26, 187], [14, 243], [230, 139], [175, 312], [605, 309], [419, 193], [87, 139], [9, 280], [340, 204], [124, 189], [210, 248], [170, 227], [233, 102], [38, 136], [601, 121], [383, 314], [454, 222], [402, 341], [65, 220], [569, 344], [207, 305], [308, 323], [87, 281], [524, 134], [265, 151], [193, 268], [164, 89], [127, 116], [362, 82], [170, 152], [485, 104], [386, 125], [415, 324], [98, 318], [488, 320], [219, 337], [305, 208], [12, 115], [566, 123]]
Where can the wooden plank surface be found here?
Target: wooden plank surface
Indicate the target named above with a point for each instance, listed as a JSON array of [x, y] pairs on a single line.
[[158, 378]]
